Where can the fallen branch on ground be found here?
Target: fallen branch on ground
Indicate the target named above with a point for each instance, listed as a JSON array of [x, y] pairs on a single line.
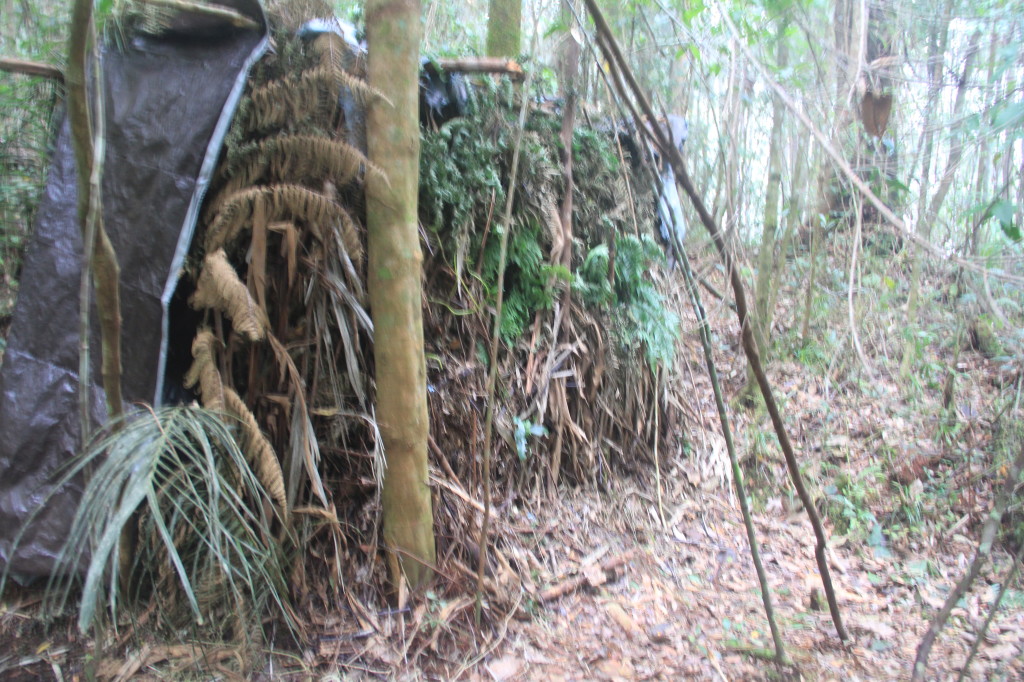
[[566, 586]]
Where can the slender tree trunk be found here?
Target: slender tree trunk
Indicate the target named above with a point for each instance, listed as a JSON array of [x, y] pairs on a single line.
[[982, 190], [395, 264], [766, 256], [504, 28], [936, 54], [927, 219], [570, 62]]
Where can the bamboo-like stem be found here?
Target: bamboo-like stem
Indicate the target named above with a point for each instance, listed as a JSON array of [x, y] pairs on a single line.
[[97, 250], [672, 155], [704, 330], [988, 537], [492, 372]]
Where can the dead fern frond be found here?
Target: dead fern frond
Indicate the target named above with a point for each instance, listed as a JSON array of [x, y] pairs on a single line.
[[204, 371], [258, 449], [219, 288], [275, 203], [299, 159], [334, 51], [315, 93]]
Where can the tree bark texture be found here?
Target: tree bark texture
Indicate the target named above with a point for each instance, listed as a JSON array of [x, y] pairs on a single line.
[[504, 28], [395, 264]]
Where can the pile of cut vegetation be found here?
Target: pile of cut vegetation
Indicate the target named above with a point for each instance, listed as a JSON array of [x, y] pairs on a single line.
[[270, 325], [285, 340]]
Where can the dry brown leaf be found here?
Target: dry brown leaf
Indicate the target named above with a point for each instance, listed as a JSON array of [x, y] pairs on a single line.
[[505, 668], [595, 575], [624, 620]]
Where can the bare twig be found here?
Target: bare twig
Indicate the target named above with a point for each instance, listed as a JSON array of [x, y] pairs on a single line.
[[672, 155]]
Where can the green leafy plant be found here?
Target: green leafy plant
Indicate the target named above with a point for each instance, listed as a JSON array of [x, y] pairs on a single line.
[[846, 503], [638, 309], [523, 429], [177, 480]]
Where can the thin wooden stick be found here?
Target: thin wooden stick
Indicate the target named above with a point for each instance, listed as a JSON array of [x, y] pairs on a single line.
[[737, 473], [209, 9], [492, 374]]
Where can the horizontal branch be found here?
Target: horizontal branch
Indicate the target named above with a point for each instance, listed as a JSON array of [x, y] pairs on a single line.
[[28, 68], [482, 65]]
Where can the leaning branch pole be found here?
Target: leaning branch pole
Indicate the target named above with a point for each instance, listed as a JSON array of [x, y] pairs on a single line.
[[737, 473], [671, 153]]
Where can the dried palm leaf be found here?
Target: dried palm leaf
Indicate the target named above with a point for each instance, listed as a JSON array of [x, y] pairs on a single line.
[[305, 450], [276, 203], [219, 288], [204, 372], [258, 450]]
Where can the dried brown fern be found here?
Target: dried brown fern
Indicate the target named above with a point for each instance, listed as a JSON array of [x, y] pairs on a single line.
[[204, 371], [275, 203], [219, 288], [334, 51], [299, 159], [314, 93], [258, 449]]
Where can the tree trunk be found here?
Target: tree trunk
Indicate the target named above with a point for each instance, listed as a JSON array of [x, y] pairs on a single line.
[[504, 22], [395, 264], [927, 219], [766, 256]]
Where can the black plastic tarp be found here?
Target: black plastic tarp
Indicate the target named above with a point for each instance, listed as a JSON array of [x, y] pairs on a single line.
[[169, 101]]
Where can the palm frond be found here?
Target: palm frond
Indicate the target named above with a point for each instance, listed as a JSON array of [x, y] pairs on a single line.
[[183, 467]]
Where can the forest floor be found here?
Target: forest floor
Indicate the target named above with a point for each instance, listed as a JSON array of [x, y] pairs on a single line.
[[667, 591]]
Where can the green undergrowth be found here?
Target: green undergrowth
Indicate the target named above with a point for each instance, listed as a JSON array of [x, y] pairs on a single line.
[[464, 173]]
